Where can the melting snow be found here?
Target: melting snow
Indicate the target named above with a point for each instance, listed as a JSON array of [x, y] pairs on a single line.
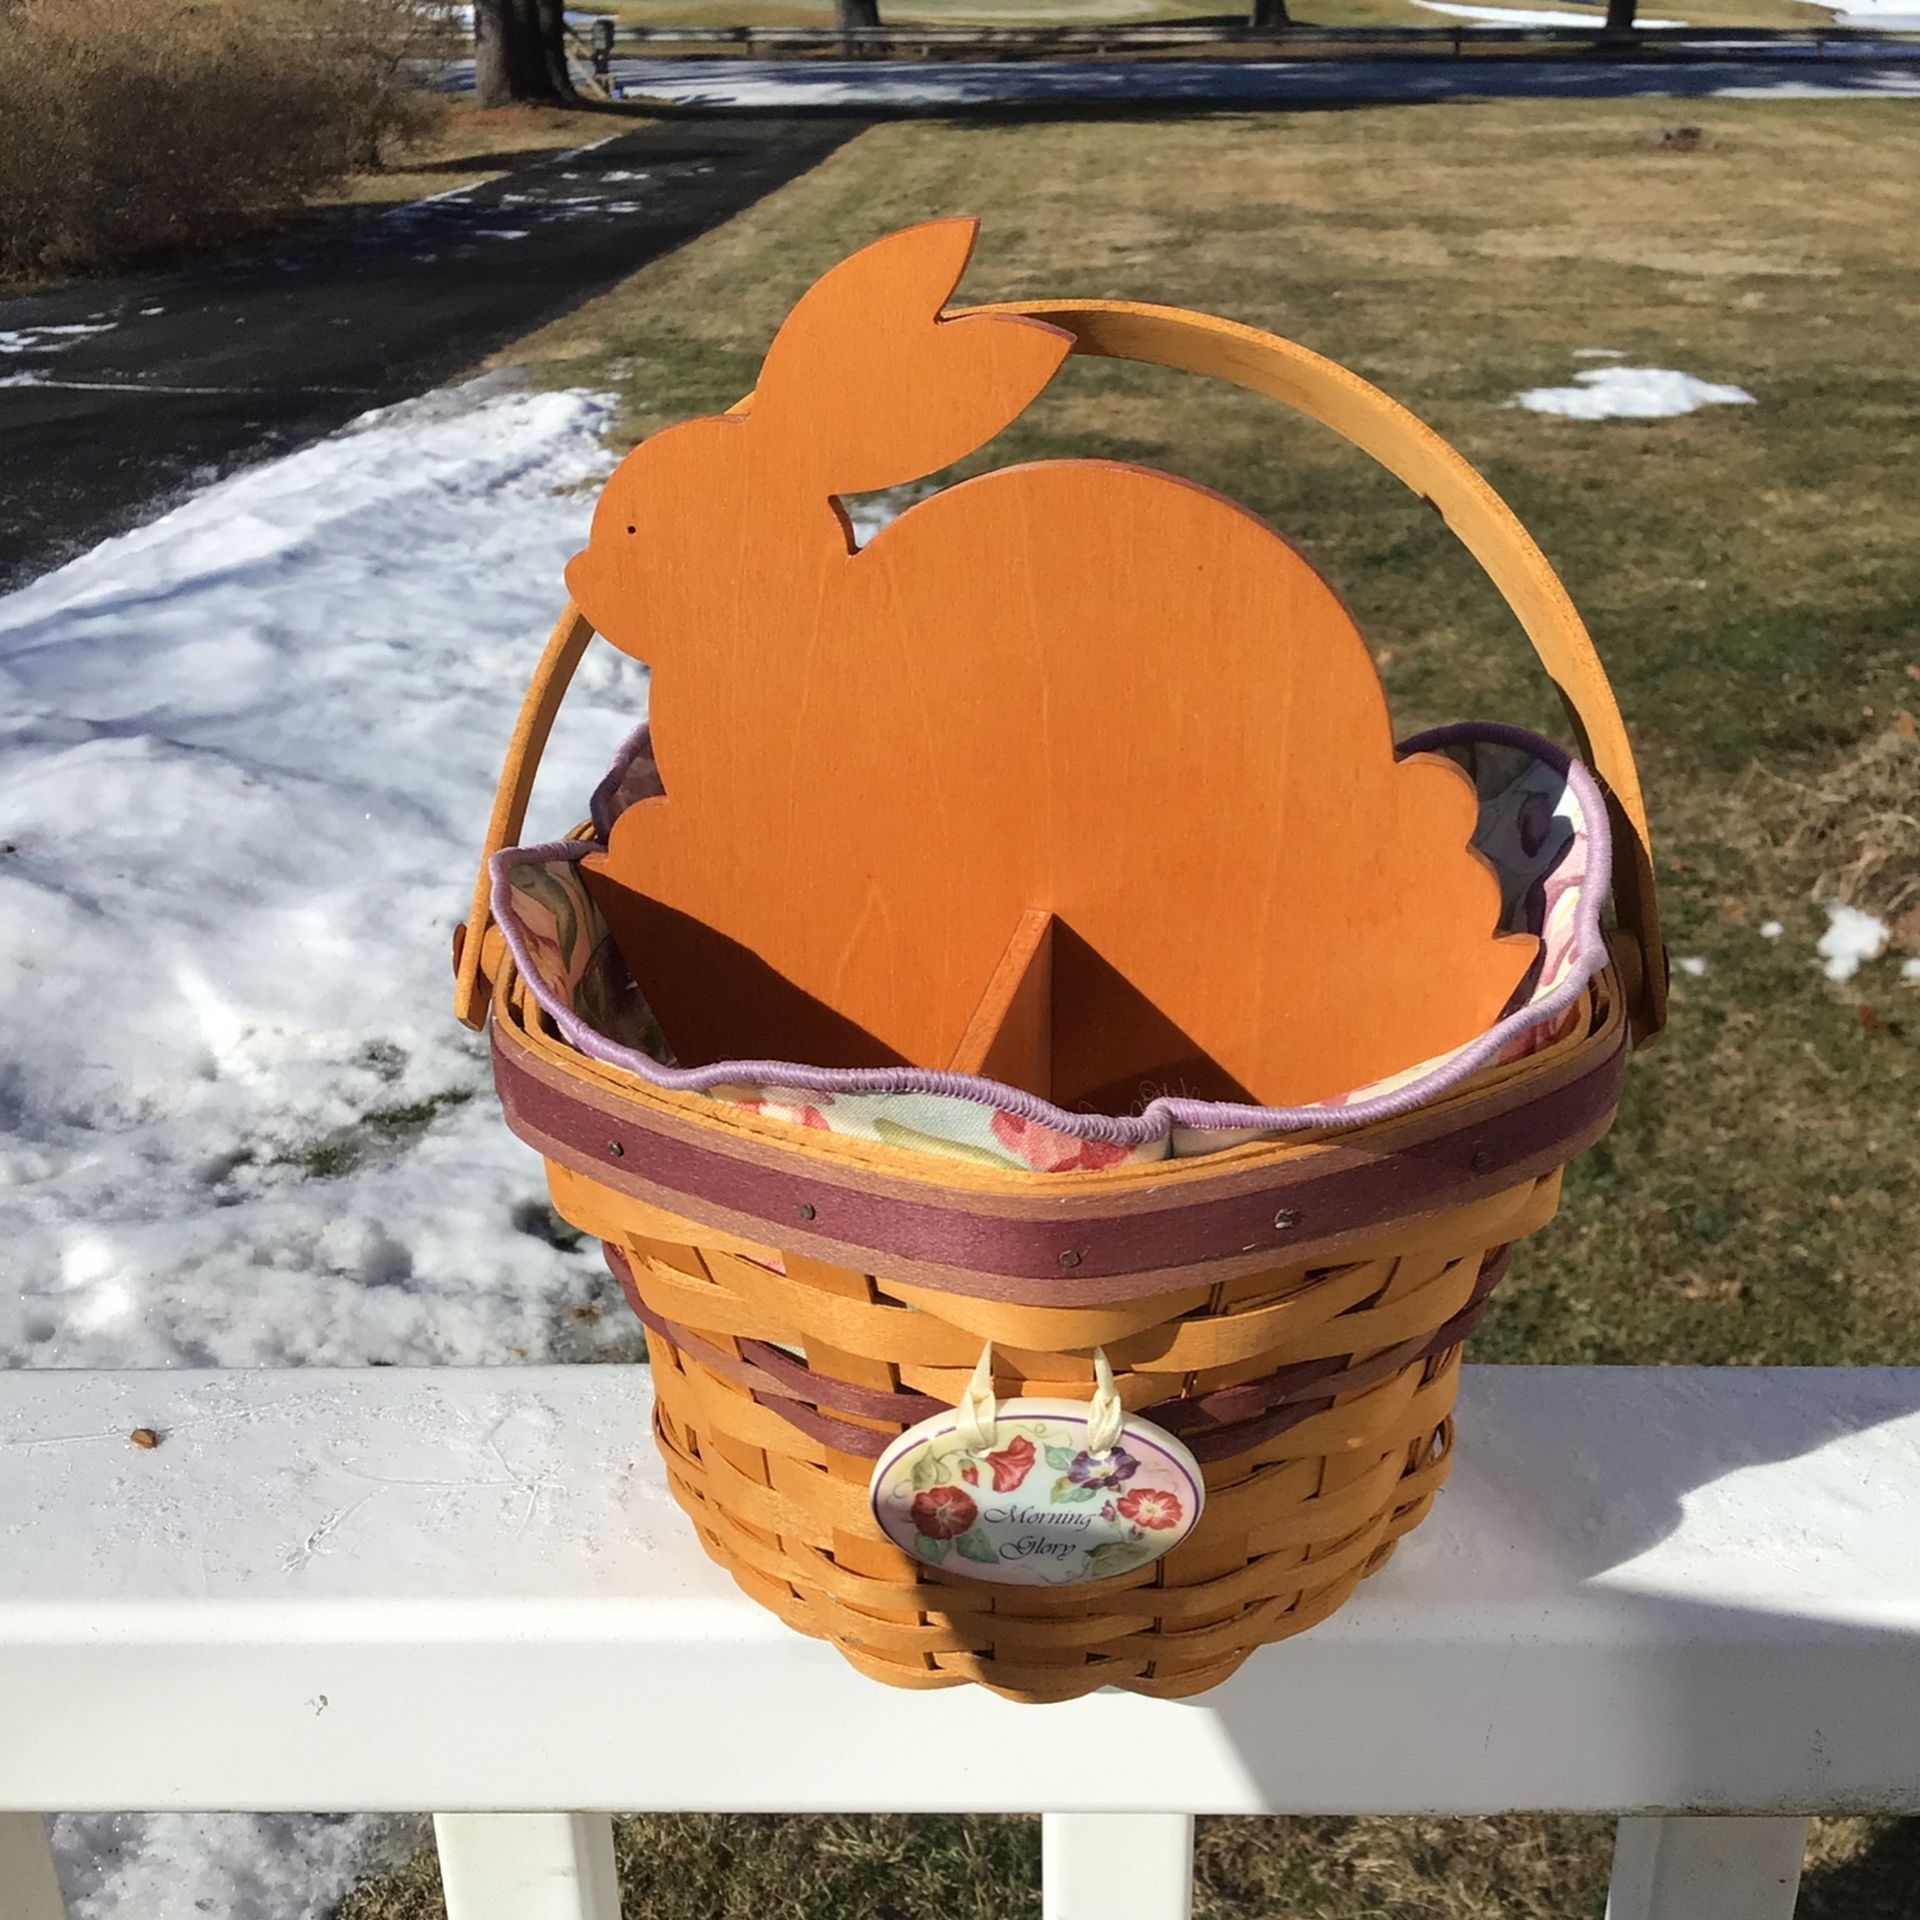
[[723, 81], [1851, 938], [1771, 929], [1876, 13], [1531, 16], [246, 754], [183, 1866], [48, 339], [1630, 393], [1692, 965]]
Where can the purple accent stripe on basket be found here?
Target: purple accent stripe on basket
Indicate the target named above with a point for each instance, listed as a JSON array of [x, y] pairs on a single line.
[[1159, 1118], [842, 1435], [1262, 1409], [618, 1147], [801, 1383]]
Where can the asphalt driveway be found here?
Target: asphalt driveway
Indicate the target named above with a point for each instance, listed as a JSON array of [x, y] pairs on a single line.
[[117, 396]]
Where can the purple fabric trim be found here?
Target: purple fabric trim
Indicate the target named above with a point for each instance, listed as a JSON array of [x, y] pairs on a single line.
[[1159, 1118], [604, 808]]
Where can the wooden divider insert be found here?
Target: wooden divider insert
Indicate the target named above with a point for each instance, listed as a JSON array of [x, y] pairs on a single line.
[[1075, 687]]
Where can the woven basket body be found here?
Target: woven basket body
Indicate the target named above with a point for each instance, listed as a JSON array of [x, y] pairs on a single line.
[[1292, 1309], [1312, 1374]]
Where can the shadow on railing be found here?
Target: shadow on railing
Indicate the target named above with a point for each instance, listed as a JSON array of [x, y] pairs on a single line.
[[1675, 1501]]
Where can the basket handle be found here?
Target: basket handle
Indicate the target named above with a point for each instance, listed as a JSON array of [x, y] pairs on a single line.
[[1411, 451], [551, 678]]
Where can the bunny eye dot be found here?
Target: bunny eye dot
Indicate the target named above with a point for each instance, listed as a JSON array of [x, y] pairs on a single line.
[[633, 529]]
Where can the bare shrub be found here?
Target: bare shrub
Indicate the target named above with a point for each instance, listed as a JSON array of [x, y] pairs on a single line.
[[130, 131]]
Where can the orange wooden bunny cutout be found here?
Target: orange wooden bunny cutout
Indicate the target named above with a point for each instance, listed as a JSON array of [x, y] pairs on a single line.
[[1075, 712]]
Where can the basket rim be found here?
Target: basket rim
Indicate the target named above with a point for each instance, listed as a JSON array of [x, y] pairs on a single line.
[[1052, 1238]]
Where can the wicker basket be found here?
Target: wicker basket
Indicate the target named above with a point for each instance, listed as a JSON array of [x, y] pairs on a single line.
[[1292, 1309]]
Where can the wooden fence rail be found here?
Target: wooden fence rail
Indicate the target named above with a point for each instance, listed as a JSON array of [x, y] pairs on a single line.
[[1689, 1595]]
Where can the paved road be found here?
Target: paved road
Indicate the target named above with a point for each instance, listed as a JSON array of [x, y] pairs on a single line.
[[941, 86], [116, 396]]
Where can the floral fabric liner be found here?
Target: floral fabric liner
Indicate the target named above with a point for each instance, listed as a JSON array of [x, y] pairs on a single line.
[[1542, 825]]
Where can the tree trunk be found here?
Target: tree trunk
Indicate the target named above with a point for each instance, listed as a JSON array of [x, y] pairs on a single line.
[[1620, 19], [520, 53], [1269, 16], [855, 13], [553, 48]]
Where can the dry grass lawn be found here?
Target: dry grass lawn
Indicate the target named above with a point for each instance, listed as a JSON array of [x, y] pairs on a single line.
[[464, 145], [1752, 574]]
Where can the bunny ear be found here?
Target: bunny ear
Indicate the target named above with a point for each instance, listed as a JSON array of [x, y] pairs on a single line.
[[865, 386]]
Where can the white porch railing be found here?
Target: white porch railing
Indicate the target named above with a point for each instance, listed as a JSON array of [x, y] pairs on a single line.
[[1684, 1594]]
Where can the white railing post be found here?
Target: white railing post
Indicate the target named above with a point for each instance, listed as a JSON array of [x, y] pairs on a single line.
[[1718, 1867], [1116, 1866], [527, 1866], [29, 1889]]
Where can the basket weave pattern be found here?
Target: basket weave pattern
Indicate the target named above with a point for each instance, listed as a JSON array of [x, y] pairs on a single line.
[[1291, 1309], [1294, 1519], [1317, 1396]]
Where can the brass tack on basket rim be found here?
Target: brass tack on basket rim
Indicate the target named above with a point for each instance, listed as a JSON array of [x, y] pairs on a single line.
[[1285, 1218], [1069, 1258], [807, 1210], [615, 1148]]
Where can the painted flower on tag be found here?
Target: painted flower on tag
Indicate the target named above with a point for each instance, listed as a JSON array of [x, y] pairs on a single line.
[[1151, 1507], [1107, 1469], [1010, 1465], [943, 1513], [1039, 1507]]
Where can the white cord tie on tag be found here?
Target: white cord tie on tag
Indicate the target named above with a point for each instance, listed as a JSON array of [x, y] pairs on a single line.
[[979, 1416], [979, 1413], [1106, 1416]]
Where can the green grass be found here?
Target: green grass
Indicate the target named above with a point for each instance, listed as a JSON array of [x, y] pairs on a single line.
[[1752, 578]]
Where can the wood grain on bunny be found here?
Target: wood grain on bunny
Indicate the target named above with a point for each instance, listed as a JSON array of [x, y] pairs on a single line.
[[1077, 687]]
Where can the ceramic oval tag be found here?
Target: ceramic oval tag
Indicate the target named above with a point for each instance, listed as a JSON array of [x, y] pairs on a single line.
[[1036, 1507]]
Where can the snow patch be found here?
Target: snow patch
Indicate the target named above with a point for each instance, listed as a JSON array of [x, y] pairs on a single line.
[[1852, 938], [182, 1866], [1692, 965], [1630, 393], [717, 82], [1910, 969], [48, 339], [1771, 929], [1896, 14], [1530, 16], [460, 16], [246, 755]]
